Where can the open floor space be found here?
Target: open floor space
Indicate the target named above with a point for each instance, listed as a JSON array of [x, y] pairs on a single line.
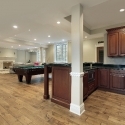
[[23, 104]]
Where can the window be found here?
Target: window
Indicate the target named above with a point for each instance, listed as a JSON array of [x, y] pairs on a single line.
[[38, 55], [44, 55], [61, 52]]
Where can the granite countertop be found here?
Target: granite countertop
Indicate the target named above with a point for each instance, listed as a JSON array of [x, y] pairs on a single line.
[[59, 64], [86, 66]]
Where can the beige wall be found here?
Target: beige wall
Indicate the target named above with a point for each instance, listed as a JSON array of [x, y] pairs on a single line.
[[89, 50], [13, 54], [69, 52], [4, 52], [33, 57], [22, 56], [50, 54]]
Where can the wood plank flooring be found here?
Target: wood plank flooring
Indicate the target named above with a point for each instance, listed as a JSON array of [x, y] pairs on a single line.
[[23, 104]]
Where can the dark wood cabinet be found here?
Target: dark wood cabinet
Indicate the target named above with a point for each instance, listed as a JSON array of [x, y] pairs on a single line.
[[117, 80], [122, 43], [85, 85], [116, 42], [103, 78], [91, 87], [61, 86], [112, 44], [91, 81], [96, 79]]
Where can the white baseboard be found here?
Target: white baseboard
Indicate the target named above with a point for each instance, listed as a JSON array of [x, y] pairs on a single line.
[[77, 109]]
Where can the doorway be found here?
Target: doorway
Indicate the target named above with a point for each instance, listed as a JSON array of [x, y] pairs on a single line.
[[100, 54]]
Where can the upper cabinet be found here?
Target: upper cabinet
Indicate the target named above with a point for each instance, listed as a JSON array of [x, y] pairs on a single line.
[[116, 42]]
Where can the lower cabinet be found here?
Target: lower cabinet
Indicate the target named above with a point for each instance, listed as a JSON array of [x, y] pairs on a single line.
[[96, 79], [90, 82], [61, 86], [103, 78], [91, 87], [117, 80], [85, 85]]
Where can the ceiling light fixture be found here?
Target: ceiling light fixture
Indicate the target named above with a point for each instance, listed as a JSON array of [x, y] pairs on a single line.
[[121, 10], [85, 36], [35, 39], [58, 22], [19, 45], [49, 36], [15, 35], [48, 42], [29, 29], [15, 26], [12, 46], [63, 40]]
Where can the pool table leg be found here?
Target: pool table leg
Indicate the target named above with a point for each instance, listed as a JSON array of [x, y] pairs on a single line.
[[20, 77], [28, 79]]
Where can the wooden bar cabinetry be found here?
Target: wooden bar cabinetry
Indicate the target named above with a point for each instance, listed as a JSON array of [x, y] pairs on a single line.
[[61, 85]]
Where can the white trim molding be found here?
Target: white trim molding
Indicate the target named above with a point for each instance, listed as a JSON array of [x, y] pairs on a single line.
[[77, 74], [77, 109]]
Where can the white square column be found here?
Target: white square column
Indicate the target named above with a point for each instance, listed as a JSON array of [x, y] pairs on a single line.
[[77, 105]]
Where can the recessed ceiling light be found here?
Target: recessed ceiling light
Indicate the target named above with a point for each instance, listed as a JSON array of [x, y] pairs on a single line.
[[35, 39], [121, 10], [35, 47], [29, 29], [19, 45], [63, 40], [12, 46], [15, 35], [48, 42], [27, 48], [49, 36], [58, 22], [15, 26], [85, 36]]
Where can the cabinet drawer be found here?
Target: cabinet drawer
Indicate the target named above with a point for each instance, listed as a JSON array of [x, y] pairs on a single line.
[[91, 87]]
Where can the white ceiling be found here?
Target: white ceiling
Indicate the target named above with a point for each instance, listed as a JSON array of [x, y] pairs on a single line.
[[40, 16]]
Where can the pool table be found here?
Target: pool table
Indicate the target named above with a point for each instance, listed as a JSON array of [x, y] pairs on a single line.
[[28, 71]]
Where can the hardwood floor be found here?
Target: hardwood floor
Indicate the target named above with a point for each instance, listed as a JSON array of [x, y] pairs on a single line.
[[23, 104]]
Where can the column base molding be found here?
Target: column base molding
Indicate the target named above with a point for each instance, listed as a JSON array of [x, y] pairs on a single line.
[[76, 109]]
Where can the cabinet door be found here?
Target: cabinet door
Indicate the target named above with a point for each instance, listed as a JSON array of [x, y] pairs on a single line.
[[85, 85], [103, 78], [61, 86], [112, 44], [117, 82], [122, 43], [96, 78]]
